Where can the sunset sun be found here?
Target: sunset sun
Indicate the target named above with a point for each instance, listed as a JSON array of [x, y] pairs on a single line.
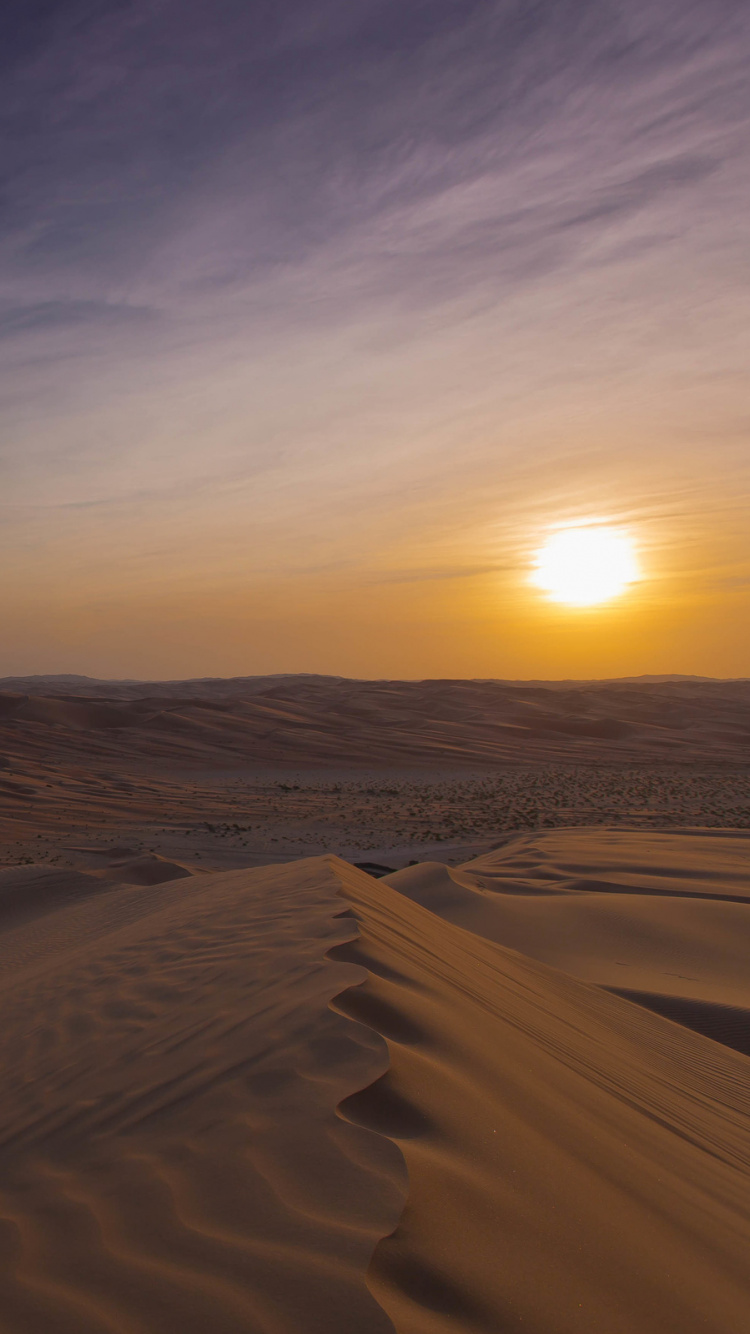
[[584, 566]]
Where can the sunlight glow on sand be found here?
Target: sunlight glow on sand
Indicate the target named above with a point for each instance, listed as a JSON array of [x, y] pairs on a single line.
[[585, 566]]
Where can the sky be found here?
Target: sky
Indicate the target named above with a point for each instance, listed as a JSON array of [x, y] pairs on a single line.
[[319, 317]]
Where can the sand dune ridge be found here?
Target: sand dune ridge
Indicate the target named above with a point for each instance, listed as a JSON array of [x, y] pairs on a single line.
[[299, 1100]]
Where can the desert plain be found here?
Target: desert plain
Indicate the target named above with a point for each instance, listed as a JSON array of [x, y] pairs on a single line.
[[341, 1007]]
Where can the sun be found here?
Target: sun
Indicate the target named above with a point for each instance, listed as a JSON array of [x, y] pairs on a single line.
[[583, 566]]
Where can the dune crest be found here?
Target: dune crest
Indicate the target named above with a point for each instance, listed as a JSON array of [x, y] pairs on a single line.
[[575, 1162]]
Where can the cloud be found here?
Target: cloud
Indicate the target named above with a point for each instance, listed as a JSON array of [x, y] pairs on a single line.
[[274, 135], [52, 315], [441, 259], [440, 575]]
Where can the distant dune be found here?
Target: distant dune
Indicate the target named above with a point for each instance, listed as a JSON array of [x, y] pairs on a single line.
[[329, 720], [231, 686], [299, 1100]]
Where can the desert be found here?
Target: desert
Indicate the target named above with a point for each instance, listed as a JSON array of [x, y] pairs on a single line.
[[223, 771], [374, 667], [363, 1006]]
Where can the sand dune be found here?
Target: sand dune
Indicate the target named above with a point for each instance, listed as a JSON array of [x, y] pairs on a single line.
[[28, 892], [662, 918], [171, 1155], [294, 1099], [223, 774], [329, 720], [147, 870], [575, 1162]]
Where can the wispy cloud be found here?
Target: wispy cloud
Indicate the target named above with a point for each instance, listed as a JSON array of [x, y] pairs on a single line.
[[262, 263]]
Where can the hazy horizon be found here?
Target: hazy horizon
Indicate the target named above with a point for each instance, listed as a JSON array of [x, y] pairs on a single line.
[[318, 319], [334, 676]]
